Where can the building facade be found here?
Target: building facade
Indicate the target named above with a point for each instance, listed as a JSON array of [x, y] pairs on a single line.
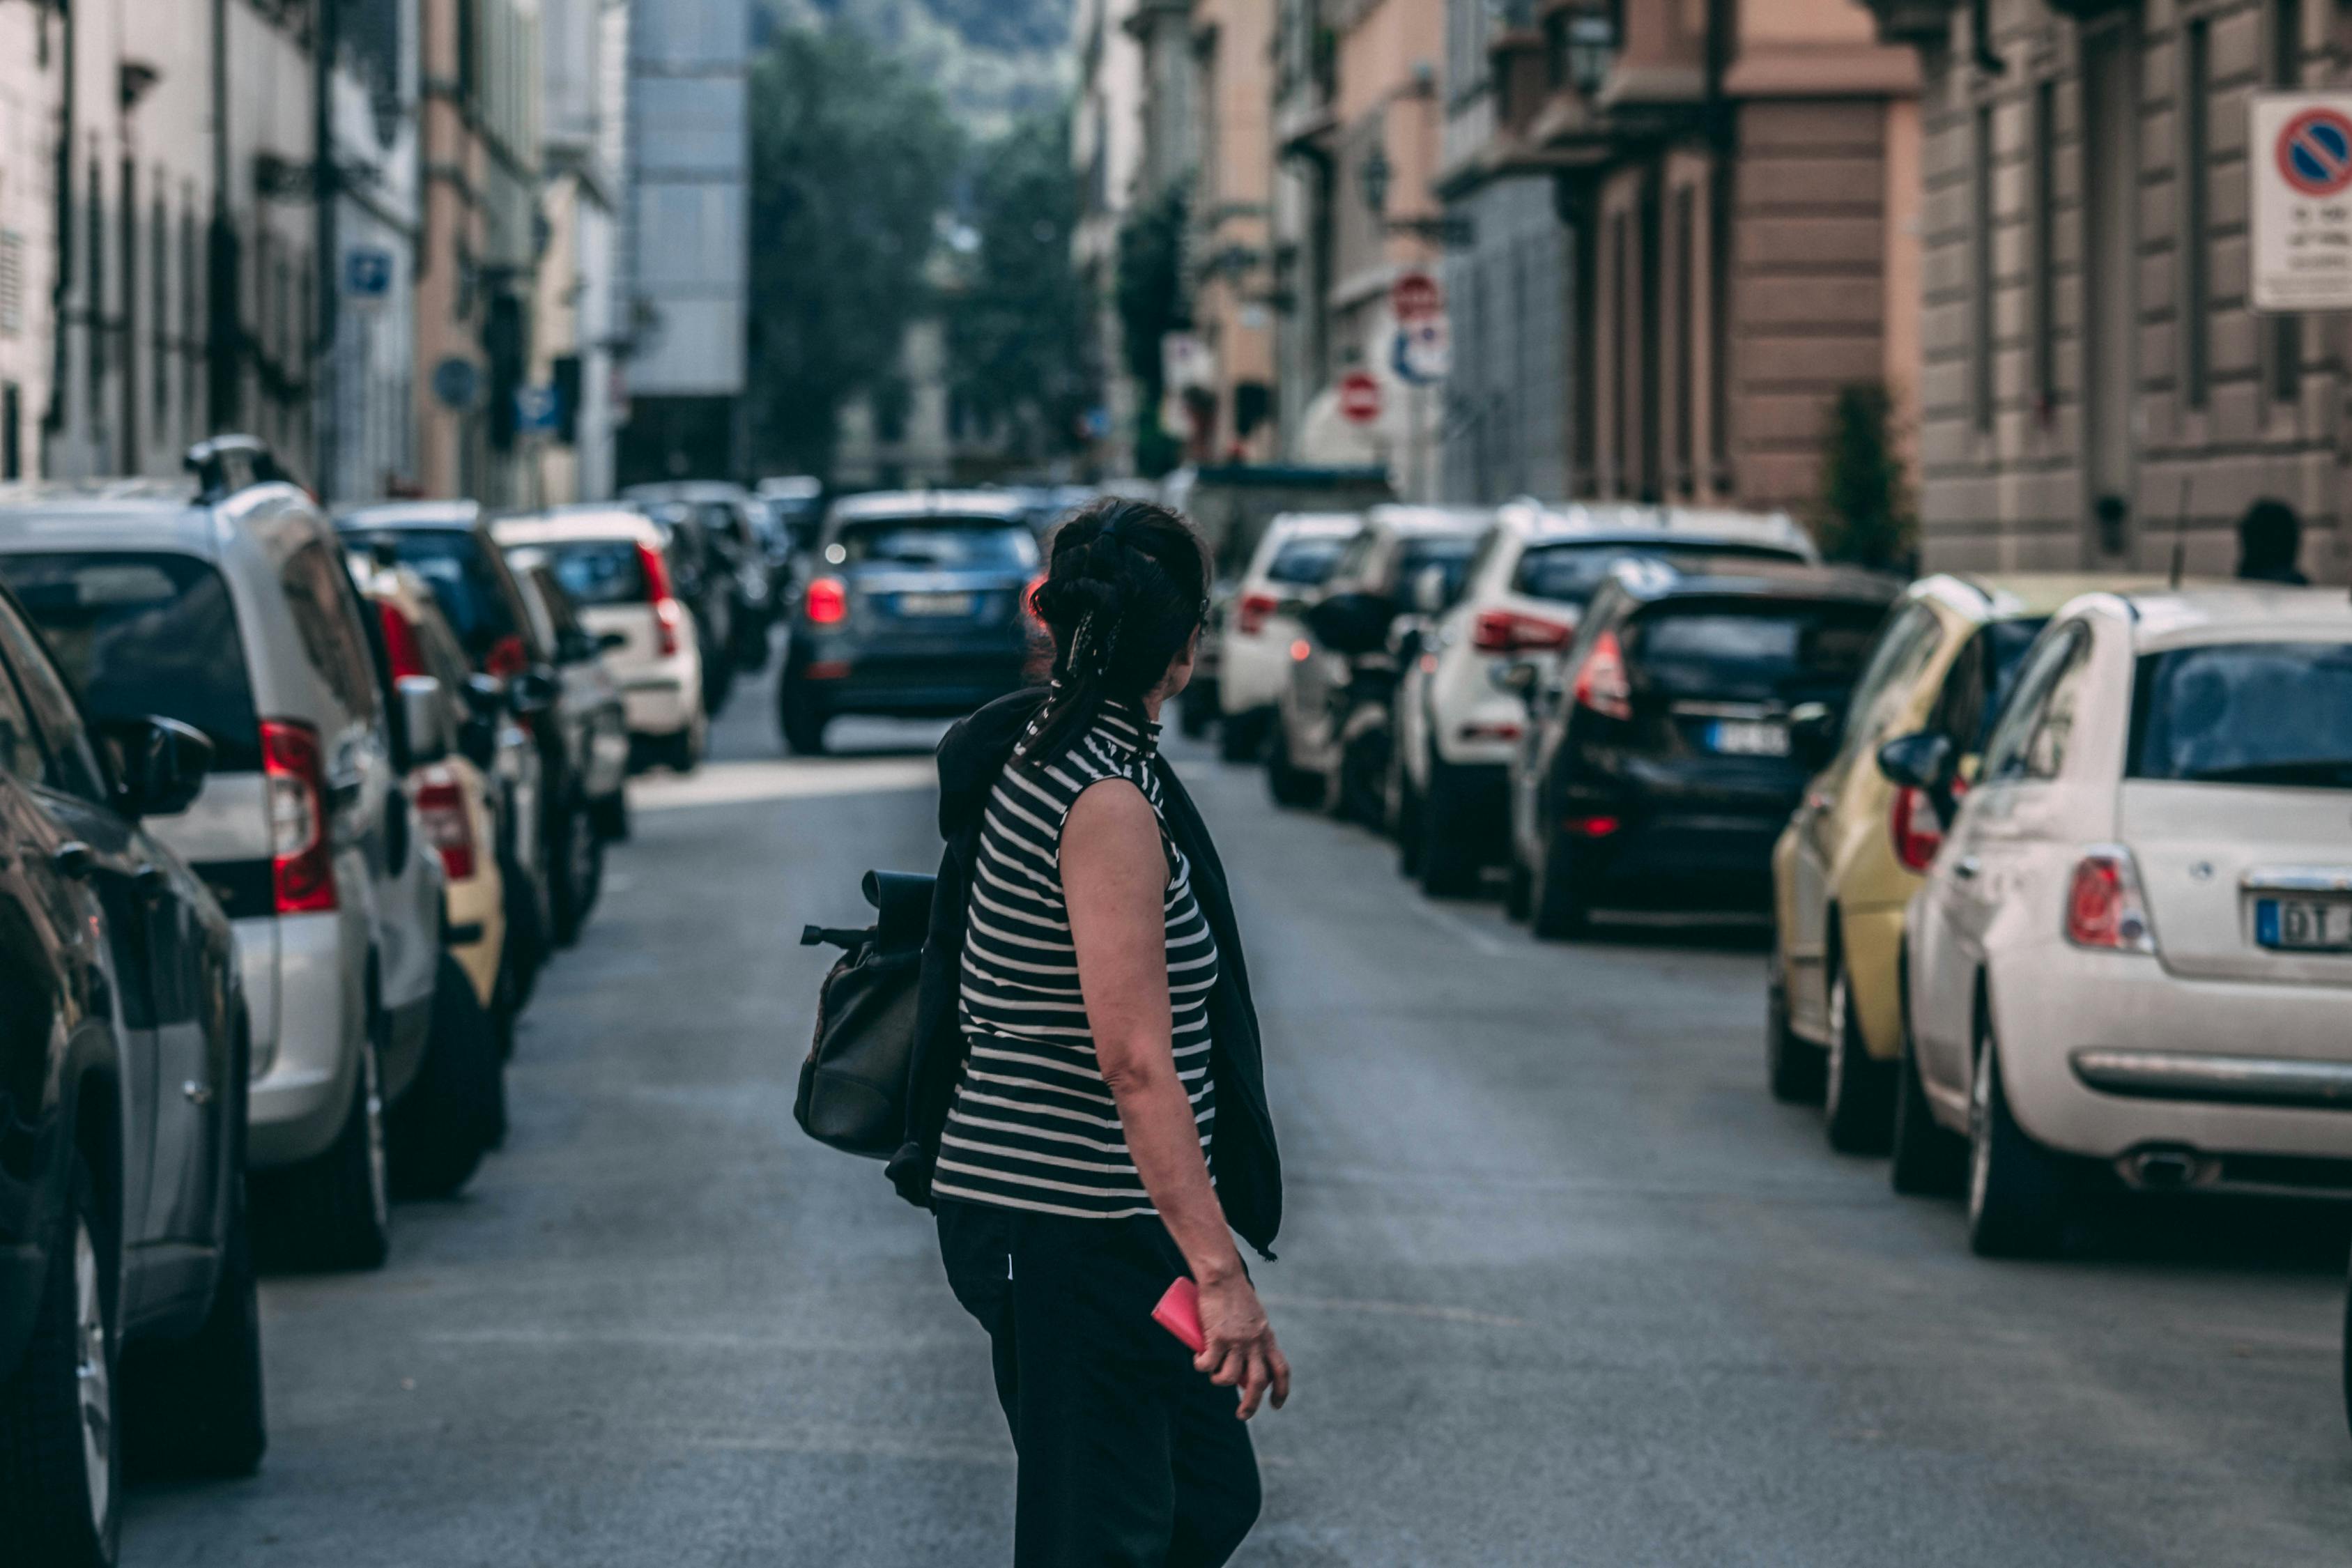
[[1106, 151], [32, 71], [2098, 388], [574, 308], [367, 421], [1230, 412]]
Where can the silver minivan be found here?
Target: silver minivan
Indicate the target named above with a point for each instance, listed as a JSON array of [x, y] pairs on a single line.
[[233, 611]]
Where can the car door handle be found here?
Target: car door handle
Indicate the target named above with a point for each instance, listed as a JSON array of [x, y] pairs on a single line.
[[73, 858], [1967, 867]]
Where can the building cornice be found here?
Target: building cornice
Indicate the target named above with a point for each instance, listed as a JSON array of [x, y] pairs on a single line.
[[1849, 71]]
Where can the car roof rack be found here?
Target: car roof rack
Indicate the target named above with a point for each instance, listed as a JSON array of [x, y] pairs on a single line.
[[227, 464]]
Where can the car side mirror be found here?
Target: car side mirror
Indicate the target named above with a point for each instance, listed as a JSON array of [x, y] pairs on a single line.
[[1429, 591], [1813, 733], [1925, 761], [532, 691], [424, 720], [1352, 624], [164, 765]]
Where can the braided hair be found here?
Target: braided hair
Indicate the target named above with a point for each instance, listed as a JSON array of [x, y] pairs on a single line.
[[1127, 587]]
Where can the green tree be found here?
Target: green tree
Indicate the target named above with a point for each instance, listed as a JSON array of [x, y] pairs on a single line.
[[1152, 303], [851, 158], [1016, 329], [1863, 513]]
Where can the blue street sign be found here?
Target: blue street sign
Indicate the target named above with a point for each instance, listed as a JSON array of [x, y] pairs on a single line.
[[456, 382], [538, 409], [367, 274]]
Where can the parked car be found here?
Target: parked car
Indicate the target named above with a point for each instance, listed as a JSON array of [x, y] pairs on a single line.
[[1665, 757], [735, 590], [612, 563], [1260, 623], [1856, 846], [919, 612], [1333, 719], [795, 504], [230, 610], [586, 707], [2131, 953], [1524, 592], [127, 1308]]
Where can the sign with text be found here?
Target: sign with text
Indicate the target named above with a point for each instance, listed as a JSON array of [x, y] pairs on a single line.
[[2302, 158]]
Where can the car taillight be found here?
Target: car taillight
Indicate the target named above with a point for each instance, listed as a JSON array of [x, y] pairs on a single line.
[[507, 657], [2105, 907], [828, 602], [1507, 631], [301, 861], [1029, 598], [668, 617], [1918, 831], [1254, 610], [441, 814], [1600, 682], [400, 644]]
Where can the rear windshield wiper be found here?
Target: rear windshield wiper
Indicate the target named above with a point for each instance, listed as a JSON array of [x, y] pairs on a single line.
[[2318, 771]]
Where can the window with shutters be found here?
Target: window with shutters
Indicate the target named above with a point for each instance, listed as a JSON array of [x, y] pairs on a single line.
[[12, 283]]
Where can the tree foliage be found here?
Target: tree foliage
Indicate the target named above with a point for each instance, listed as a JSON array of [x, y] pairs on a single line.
[[851, 158], [1151, 299], [1863, 515]]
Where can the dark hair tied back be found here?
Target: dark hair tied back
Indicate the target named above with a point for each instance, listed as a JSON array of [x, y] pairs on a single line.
[[1127, 586]]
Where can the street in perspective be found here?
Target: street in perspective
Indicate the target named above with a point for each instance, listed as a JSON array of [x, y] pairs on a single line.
[[1132, 783]]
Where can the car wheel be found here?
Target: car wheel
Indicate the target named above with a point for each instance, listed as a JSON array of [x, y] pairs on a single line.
[[453, 1114], [195, 1407], [1360, 794], [1408, 825], [577, 857], [682, 750], [1792, 1064], [1449, 860], [1560, 905], [802, 722], [335, 1211], [2017, 1190], [1241, 737], [1857, 1100], [1518, 886], [1926, 1161], [610, 816], [60, 1462], [1287, 783]]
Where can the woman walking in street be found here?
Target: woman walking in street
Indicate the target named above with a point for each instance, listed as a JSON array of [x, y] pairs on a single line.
[[1109, 1064]]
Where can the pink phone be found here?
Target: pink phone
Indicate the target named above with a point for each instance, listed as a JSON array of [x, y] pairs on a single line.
[[1179, 1313]]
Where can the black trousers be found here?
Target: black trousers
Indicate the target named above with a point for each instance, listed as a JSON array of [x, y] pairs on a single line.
[[1129, 1458]]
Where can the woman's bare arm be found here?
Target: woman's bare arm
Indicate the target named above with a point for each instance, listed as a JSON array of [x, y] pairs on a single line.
[[1115, 878]]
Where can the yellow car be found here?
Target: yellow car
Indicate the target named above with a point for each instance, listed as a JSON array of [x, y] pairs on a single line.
[[1857, 845]]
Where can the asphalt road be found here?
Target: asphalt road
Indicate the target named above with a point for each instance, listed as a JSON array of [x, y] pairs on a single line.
[[1561, 1284]]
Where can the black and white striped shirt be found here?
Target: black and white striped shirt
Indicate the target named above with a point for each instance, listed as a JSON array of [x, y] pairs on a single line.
[[1033, 1125]]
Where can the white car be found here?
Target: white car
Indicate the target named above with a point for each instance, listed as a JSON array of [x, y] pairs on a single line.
[[1293, 559], [1523, 594], [2135, 949], [614, 564]]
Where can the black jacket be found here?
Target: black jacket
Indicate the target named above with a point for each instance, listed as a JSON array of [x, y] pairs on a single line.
[[1249, 1171]]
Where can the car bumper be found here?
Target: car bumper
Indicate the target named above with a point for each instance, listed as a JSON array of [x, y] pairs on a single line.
[[299, 1101], [1681, 859], [1251, 671], [660, 702], [930, 686], [2107, 1056]]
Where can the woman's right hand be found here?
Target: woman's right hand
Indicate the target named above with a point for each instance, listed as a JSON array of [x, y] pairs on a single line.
[[1237, 1349]]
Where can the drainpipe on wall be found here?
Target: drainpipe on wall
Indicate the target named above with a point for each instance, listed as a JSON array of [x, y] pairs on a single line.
[[53, 417], [324, 185], [224, 332]]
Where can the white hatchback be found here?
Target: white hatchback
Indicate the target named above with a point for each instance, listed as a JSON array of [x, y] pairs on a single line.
[[1293, 559], [2135, 950]]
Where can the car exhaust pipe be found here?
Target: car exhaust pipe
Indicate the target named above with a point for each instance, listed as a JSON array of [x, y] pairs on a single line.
[[2162, 1170]]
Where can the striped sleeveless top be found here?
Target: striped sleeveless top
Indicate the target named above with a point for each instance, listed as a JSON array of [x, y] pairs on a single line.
[[1032, 1125]]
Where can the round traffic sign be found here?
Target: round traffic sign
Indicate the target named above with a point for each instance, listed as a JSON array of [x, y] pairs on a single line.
[[1416, 296], [2314, 152], [1360, 397]]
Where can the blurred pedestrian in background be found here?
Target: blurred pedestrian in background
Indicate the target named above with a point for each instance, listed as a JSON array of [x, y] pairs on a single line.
[[1108, 1061], [2270, 539]]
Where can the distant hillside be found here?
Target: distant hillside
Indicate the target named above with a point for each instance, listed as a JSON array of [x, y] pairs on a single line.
[[992, 59]]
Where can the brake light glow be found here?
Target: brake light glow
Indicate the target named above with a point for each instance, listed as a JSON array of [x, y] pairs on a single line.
[[1507, 631], [1029, 598], [441, 813], [302, 863], [668, 615], [1600, 682], [2104, 907], [400, 642], [1918, 831], [1301, 650], [1255, 608], [1590, 827], [507, 657], [828, 602]]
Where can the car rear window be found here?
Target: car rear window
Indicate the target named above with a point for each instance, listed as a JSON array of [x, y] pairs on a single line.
[[454, 566], [1570, 573], [1777, 643], [142, 634], [1420, 555], [944, 544], [594, 570], [1306, 562], [2252, 713]]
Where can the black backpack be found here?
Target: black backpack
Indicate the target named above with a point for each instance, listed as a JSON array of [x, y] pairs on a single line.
[[853, 1088]]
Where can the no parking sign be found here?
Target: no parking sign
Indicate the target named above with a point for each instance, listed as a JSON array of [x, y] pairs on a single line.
[[2302, 161]]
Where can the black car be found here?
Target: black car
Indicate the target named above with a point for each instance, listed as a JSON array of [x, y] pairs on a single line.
[[586, 708], [731, 578], [917, 610], [127, 1310], [1667, 753]]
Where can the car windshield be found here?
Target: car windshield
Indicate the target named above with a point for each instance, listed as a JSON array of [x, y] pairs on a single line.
[[142, 634], [1306, 562], [2005, 643], [594, 570], [944, 544], [1570, 571], [1450, 556], [1785, 646], [2252, 713], [452, 563]]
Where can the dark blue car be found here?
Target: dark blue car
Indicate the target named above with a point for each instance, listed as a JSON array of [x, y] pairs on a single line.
[[916, 609]]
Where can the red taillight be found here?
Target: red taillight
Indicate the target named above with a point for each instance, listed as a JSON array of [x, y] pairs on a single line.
[[667, 614], [1600, 682], [399, 643], [2104, 906], [1507, 631], [1251, 616], [441, 813], [828, 602], [1918, 831], [507, 657], [1029, 599], [668, 619], [1590, 827], [656, 572], [1301, 650], [302, 867]]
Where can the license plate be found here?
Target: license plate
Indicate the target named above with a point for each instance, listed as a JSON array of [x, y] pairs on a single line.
[[935, 604], [1748, 738], [2303, 925]]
